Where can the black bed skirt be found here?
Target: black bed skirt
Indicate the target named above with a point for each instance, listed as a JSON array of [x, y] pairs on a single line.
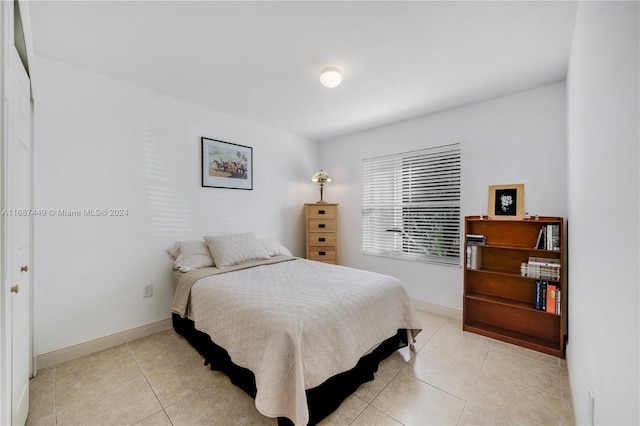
[[321, 400]]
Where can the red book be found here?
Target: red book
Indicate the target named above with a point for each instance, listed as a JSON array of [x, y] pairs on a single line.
[[551, 298]]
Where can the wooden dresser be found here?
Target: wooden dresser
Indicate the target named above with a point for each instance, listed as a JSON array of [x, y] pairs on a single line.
[[322, 232]]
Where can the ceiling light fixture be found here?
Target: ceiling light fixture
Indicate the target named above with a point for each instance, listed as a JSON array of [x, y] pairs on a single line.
[[330, 77]]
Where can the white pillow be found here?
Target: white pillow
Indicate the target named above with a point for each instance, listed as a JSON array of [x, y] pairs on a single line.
[[232, 249], [190, 255], [274, 248], [174, 250]]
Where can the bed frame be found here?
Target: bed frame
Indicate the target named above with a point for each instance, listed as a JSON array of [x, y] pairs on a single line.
[[322, 400]]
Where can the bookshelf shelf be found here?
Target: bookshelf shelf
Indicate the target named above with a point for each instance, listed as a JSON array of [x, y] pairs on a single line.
[[528, 249], [499, 302], [507, 302], [496, 272], [507, 335]]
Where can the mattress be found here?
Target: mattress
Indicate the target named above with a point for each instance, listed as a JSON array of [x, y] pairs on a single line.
[[294, 323]]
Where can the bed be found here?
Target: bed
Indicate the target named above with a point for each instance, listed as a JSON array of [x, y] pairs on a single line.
[[298, 336]]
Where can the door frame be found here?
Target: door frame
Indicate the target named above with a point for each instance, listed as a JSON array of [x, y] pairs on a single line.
[[7, 44]]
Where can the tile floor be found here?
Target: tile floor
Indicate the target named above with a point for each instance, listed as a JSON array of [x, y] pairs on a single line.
[[454, 377]]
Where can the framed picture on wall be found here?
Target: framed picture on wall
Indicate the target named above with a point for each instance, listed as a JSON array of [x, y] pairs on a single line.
[[506, 201], [226, 165]]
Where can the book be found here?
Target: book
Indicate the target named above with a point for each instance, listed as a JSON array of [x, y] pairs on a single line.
[[476, 239], [476, 236], [468, 258], [541, 268], [548, 297], [551, 298], [551, 238], [555, 237], [539, 295], [548, 237], [547, 261], [474, 256], [540, 240]]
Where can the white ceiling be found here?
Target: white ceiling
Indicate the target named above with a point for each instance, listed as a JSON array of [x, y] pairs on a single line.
[[262, 60]]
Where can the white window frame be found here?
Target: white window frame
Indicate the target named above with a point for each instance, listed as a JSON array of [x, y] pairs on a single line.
[[411, 205]]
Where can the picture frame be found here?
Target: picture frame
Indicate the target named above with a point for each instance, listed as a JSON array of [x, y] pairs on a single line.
[[506, 202], [226, 165]]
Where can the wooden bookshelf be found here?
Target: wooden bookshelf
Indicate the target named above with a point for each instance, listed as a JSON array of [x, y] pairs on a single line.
[[499, 302]]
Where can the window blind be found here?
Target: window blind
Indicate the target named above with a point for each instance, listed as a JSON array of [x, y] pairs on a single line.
[[411, 205]]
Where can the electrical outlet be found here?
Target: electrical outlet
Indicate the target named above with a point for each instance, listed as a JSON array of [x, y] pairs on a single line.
[[147, 290], [592, 406]]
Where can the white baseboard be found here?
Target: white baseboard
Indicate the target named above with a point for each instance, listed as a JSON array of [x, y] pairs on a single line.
[[437, 309], [72, 352]]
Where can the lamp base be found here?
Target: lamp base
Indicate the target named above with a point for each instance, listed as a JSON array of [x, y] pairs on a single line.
[[322, 202]]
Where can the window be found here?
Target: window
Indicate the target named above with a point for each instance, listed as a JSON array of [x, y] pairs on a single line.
[[411, 205]]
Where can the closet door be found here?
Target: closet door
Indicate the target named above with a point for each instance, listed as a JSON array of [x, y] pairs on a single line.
[[18, 225]]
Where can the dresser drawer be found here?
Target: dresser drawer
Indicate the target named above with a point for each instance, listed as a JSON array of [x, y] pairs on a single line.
[[322, 225], [322, 212], [321, 239], [322, 253]]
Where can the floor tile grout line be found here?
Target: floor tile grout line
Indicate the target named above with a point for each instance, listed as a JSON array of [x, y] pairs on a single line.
[[361, 411], [498, 347], [369, 403], [386, 414], [150, 385], [128, 354], [466, 401], [462, 412], [438, 388], [518, 382], [475, 383], [513, 381], [164, 408], [415, 354]]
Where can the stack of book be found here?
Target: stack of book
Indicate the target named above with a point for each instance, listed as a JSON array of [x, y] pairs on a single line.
[[548, 297], [542, 268], [474, 256], [549, 237], [476, 239], [474, 250]]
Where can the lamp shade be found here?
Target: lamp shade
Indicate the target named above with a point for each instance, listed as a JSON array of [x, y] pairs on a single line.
[[321, 177], [330, 77]]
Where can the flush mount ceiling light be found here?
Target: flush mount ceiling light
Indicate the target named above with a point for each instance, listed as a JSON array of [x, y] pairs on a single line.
[[330, 77]]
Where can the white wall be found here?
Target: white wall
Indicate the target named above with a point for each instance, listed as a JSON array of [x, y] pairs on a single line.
[[603, 188], [103, 143], [513, 139]]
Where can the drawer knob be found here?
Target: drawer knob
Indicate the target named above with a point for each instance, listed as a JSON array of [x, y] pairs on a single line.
[[322, 239], [321, 225], [322, 253], [320, 211]]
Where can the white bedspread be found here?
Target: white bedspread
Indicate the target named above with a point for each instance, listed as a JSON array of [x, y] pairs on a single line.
[[297, 323]]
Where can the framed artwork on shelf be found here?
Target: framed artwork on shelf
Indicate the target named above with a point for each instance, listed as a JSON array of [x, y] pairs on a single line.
[[506, 201], [226, 165]]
